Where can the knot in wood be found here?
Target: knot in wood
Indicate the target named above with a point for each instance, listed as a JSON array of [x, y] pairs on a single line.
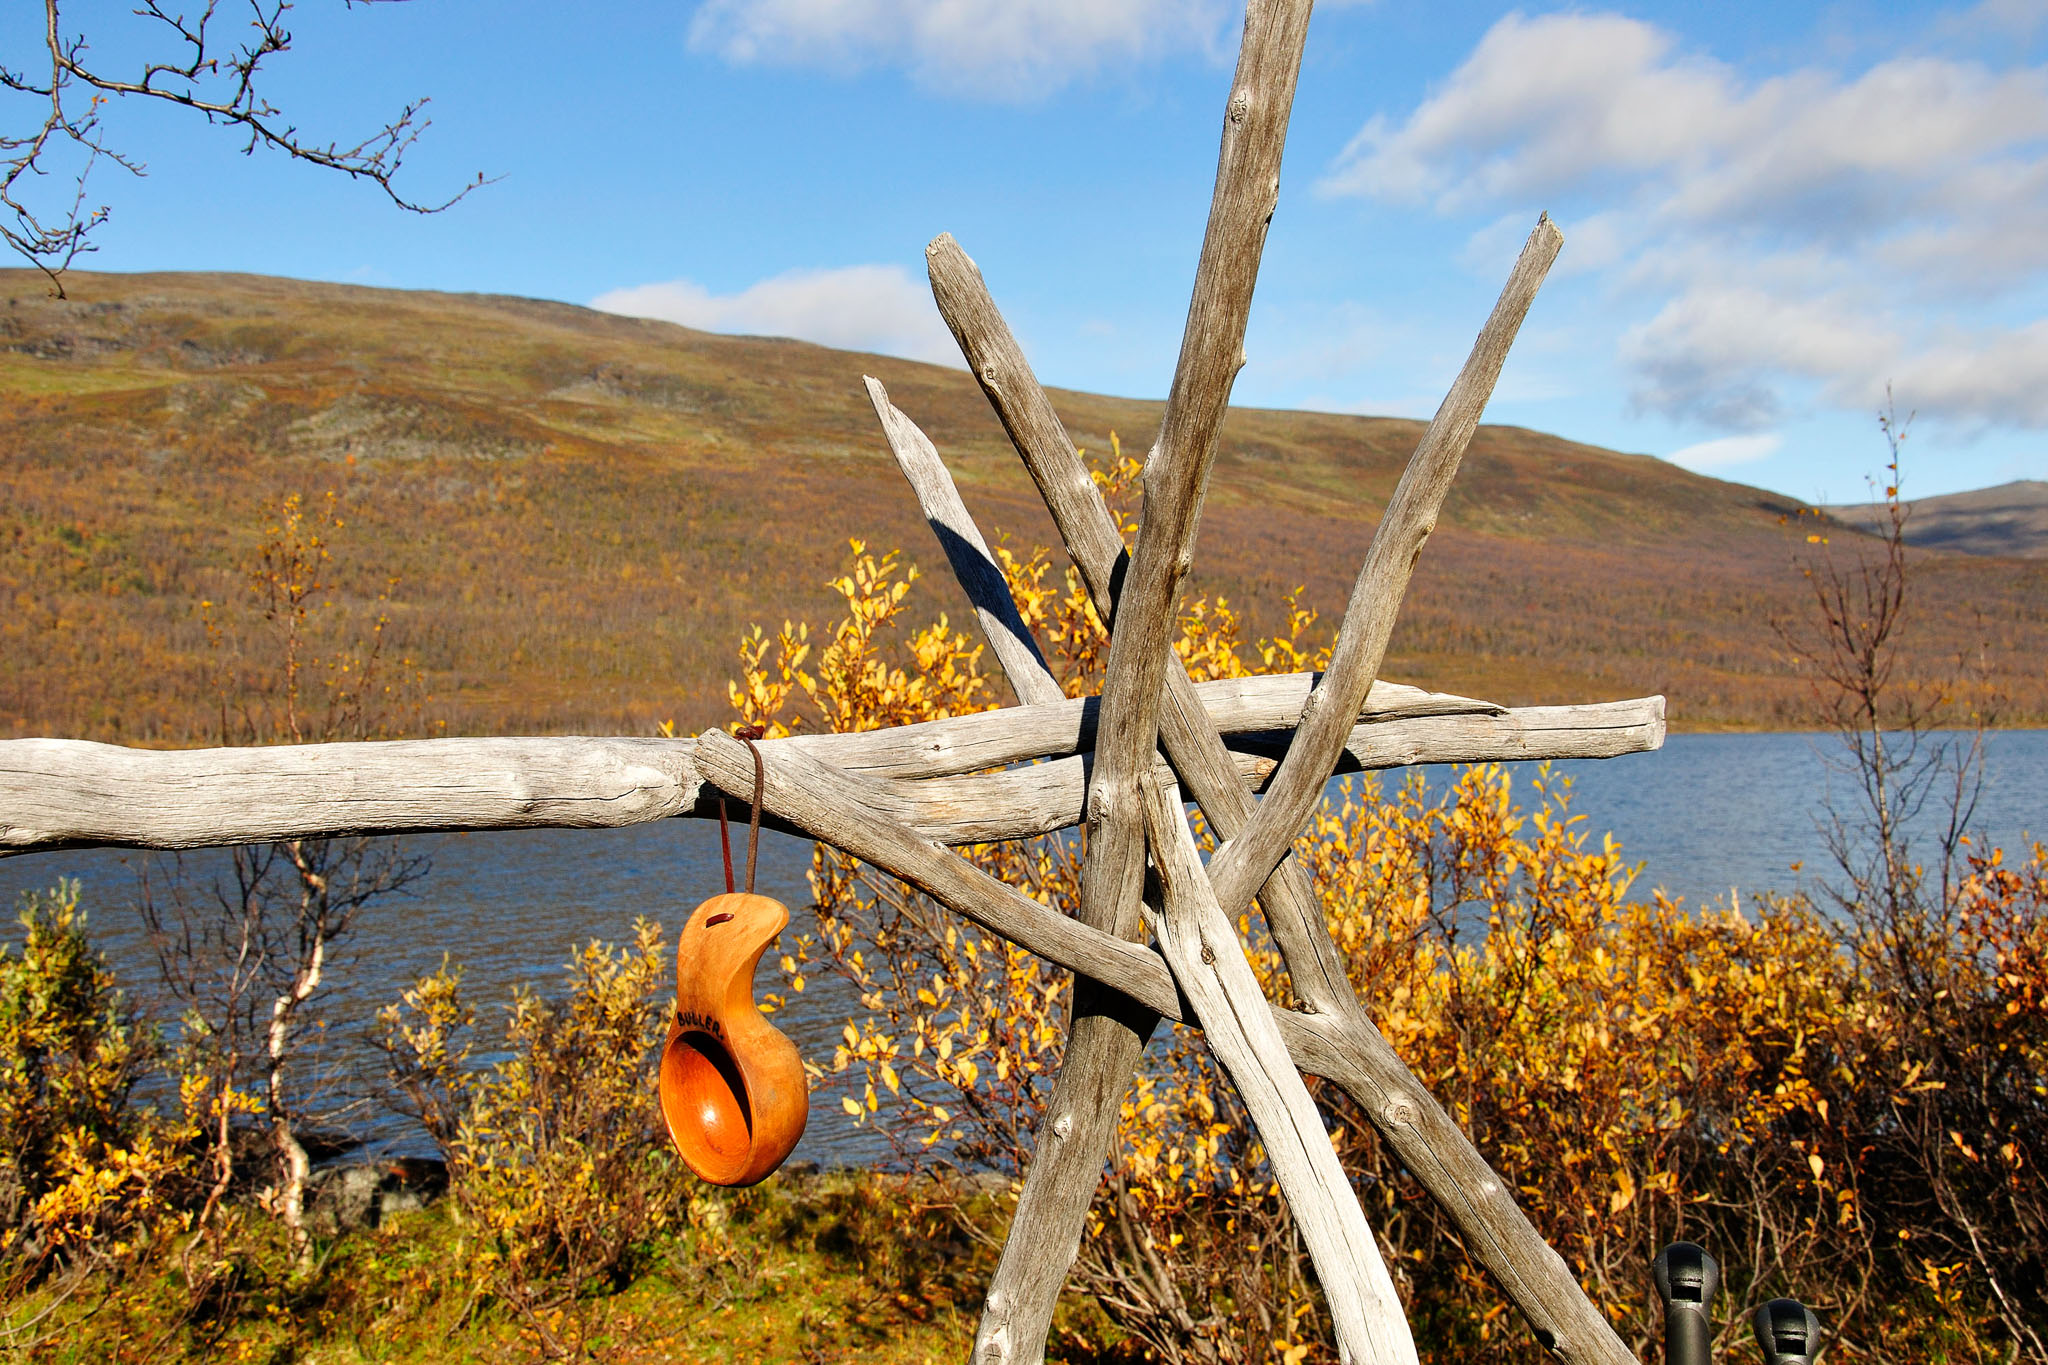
[[1208, 956], [1103, 800], [1240, 106], [1399, 1111], [1063, 1126]]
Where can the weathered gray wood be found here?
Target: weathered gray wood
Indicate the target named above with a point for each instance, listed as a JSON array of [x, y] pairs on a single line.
[[1103, 1046], [990, 739], [1497, 1232], [1021, 802], [1034, 1266], [850, 812], [1201, 946], [817, 798], [1027, 415], [980, 577], [1349, 1050], [1106, 1033], [1606, 729], [1528, 1271], [59, 793], [1090, 534], [1105, 1039], [1243, 864], [1177, 470], [1429, 1143], [839, 807]]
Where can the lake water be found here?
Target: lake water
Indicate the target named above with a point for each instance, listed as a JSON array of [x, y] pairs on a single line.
[[1707, 814]]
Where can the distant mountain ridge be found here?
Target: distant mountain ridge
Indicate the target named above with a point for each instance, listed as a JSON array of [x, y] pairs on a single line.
[[570, 516], [2010, 519]]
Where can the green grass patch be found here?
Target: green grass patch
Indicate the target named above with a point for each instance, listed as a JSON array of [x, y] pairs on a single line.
[[836, 1266]]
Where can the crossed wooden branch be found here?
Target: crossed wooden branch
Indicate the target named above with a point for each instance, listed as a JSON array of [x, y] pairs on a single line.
[[898, 799]]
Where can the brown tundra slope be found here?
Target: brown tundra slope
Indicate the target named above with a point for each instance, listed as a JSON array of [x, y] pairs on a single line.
[[2010, 520], [574, 515]]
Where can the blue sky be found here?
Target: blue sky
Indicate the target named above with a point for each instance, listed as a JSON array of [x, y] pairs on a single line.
[[1771, 211]]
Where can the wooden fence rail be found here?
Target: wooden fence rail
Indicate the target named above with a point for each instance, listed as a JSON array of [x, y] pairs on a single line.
[[904, 799], [61, 793]]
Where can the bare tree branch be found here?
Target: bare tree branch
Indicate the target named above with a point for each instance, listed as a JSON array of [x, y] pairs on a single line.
[[214, 78]]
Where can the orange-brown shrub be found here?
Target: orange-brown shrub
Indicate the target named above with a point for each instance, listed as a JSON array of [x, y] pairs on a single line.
[[1638, 1069]]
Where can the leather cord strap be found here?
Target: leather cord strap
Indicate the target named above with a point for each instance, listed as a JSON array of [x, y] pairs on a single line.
[[725, 845], [746, 735]]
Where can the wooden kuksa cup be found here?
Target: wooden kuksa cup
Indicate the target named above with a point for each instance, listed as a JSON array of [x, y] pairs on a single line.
[[732, 1085]]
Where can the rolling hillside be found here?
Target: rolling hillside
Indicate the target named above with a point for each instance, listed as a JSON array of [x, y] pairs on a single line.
[[581, 512], [2010, 520]]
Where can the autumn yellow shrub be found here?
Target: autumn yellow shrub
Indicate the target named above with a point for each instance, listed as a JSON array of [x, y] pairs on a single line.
[[558, 1159], [84, 1174], [1638, 1069], [428, 1039]]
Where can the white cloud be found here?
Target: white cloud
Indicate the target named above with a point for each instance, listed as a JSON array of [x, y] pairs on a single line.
[[1714, 352], [1562, 103], [1721, 354], [1999, 376], [1727, 451], [1982, 252], [1852, 160], [1001, 49], [1541, 104], [1802, 236], [1997, 19], [856, 308]]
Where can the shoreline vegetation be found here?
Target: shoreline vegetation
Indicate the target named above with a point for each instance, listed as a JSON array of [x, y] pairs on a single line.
[[1736, 1078], [1755, 1080], [1841, 1093]]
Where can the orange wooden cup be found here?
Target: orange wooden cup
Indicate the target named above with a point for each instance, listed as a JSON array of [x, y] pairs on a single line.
[[732, 1085]]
